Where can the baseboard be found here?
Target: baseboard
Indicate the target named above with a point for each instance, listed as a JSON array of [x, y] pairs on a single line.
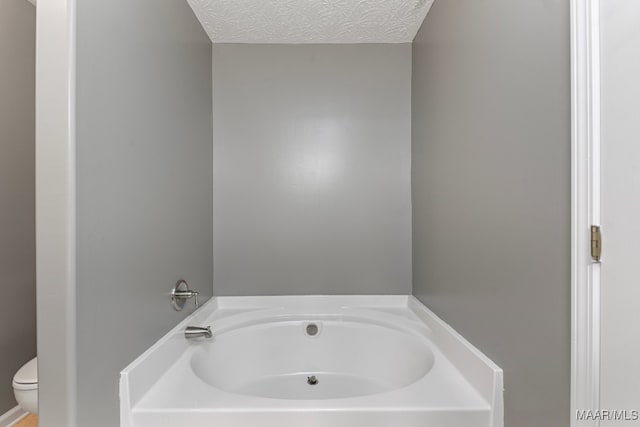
[[12, 416]]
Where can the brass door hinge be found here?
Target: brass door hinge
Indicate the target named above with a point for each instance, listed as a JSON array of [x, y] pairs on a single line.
[[596, 243]]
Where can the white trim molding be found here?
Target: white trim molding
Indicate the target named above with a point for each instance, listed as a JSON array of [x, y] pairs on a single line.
[[55, 211], [12, 416], [585, 147]]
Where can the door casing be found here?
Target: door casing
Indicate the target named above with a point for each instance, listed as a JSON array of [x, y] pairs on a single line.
[[585, 207]]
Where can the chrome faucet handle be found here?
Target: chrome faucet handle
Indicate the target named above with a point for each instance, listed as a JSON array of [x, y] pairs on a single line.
[[187, 295], [180, 294]]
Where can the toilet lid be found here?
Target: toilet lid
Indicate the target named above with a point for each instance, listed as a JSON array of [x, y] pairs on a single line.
[[28, 374]]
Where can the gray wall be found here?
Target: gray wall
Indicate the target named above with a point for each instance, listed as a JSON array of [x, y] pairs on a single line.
[[491, 190], [312, 169], [144, 183], [17, 190]]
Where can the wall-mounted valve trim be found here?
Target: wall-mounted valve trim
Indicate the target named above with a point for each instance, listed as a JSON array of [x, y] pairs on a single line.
[[180, 294]]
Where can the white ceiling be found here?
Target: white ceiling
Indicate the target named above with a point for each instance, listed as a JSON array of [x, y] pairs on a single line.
[[311, 21]]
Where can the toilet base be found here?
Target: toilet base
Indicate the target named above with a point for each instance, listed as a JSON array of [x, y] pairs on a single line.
[[27, 399]]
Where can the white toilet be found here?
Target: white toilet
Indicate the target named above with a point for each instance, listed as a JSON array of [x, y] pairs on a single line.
[[25, 386]]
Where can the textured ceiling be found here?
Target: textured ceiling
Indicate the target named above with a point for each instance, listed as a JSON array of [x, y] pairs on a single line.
[[311, 21]]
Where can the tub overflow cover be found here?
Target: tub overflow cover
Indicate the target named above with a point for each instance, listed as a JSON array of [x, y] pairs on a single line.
[[312, 380]]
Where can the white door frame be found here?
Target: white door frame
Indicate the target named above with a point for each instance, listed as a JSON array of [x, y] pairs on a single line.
[[56, 211], [585, 207]]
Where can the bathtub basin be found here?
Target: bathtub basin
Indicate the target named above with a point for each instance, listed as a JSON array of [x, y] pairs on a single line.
[[314, 361], [282, 360]]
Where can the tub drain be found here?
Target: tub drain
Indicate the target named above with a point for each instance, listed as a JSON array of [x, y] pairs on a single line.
[[312, 329], [312, 380]]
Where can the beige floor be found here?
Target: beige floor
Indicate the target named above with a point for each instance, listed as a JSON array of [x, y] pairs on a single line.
[[28, 421]]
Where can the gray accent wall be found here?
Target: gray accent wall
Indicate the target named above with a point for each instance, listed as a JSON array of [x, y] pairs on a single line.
[[144, 184], [312, 169], [491, 190], [17, 191]]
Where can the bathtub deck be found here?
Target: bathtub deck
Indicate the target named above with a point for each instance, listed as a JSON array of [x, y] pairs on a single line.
[[460, 391]]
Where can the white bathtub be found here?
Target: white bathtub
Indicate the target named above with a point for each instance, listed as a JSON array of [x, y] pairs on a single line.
[[372, 361]]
